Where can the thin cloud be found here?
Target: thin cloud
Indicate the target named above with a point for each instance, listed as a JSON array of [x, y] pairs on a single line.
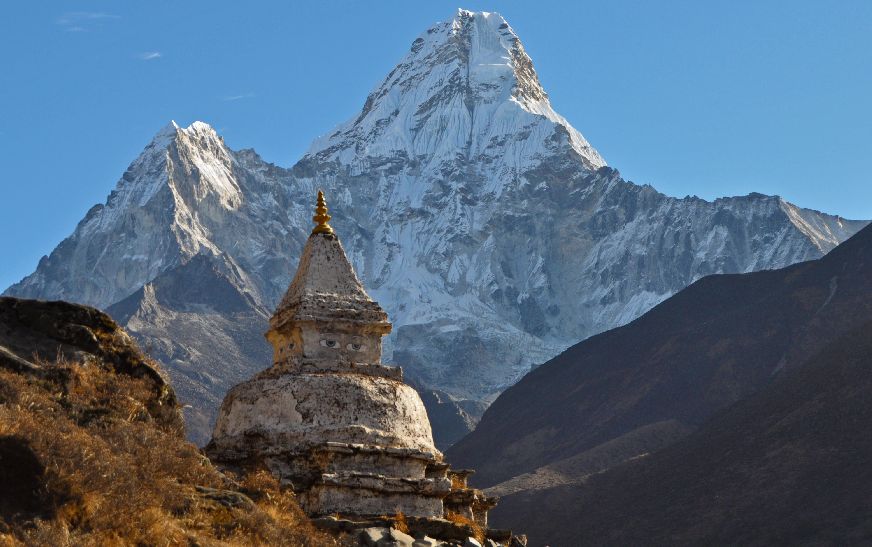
[[150, 55], [229, 98], [81, 21]]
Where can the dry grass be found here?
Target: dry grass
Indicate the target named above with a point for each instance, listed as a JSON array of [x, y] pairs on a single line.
[[110, 473], [478, 531], [400, 523]]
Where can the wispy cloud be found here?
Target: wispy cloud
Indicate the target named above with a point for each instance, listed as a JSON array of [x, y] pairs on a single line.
[[150, 55], [81, 21], [239, 97]]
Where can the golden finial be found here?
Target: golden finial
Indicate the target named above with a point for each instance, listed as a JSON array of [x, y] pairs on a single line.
[[321, 217]]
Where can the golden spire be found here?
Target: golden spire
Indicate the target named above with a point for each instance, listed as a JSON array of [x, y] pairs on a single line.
[[321, 217]]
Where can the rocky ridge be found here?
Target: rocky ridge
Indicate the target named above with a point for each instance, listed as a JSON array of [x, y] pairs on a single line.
[[486, 225]]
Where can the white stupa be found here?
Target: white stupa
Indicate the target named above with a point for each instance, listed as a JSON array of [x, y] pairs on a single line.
[[328, 418]]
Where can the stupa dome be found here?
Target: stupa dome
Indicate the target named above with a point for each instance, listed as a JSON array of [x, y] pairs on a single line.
[[304, 410]]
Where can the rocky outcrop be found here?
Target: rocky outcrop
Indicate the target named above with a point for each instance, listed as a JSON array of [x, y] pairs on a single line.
[[35, 334], [92, 447]]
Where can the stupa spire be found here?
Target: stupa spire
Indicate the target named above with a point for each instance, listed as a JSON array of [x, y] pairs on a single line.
[[321, 217], [325, 288]]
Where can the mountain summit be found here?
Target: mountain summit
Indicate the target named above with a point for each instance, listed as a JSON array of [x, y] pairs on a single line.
[[157, 217], [466, 90], [486, 226]]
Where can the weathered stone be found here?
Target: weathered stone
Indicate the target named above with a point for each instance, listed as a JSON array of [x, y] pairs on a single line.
[[227, 498], [302, 410], [471, 542], [397, 538], [469, 503], [372, 536], [336, 524], [374, 494], [498, 535], [440, 528]]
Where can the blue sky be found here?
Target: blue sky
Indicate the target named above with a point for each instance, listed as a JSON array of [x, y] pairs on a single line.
[[692, 97]]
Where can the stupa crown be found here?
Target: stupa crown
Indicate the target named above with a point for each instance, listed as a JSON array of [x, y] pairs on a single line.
[[325, 287], [321, 217], [326, 305]]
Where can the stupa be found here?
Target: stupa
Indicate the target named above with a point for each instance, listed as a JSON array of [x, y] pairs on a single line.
[[328, 418]]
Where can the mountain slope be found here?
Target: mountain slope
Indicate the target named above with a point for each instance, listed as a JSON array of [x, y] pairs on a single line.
[[712, 344], [483, 222], [492, 212], [198, 320], [788, 466]]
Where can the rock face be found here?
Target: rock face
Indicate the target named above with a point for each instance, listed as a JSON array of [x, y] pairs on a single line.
[[34, 332], [485, 224], [328, 418]]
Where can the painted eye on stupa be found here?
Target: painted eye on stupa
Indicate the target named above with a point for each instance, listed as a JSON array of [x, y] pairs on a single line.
[[355, 347], [328, 343]]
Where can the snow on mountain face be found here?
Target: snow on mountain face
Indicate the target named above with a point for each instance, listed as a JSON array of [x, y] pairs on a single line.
[[466, 91], [178, 199], [487, 227], [491, 230]]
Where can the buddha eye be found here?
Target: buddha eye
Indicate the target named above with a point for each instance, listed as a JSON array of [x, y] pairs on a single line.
[[355, 347], [328, 343]]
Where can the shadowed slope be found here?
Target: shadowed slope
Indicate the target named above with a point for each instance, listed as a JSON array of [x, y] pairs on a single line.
[[712, 344], [788, 465]]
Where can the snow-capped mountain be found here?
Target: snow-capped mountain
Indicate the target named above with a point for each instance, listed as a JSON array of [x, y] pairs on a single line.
[[483, 222]]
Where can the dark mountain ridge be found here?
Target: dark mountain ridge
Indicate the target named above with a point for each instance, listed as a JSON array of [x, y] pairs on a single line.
[[785, 466], [714, 343]]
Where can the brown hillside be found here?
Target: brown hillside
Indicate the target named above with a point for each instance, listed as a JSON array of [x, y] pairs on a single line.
[[92, 449]]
